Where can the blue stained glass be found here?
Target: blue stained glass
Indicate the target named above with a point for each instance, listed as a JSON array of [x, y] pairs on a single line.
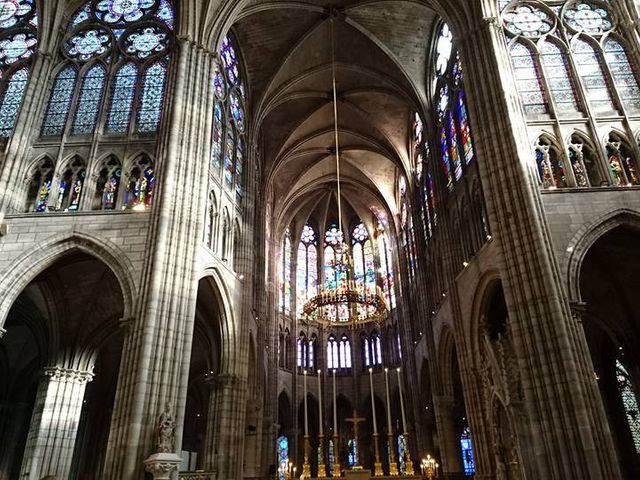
[[402, 454], [216, 151], [446, 161], [353, 452], [467, 453], [12, 100], [120, 11], [146, 41], [14, 11], [219, 83], [165, 13], [283, 456], [122, 99], [237, 112], [152, 99], [88, 43], [623, 74], [230, 61], [89, 101], [228, 159], [59, 102], [80, 16], [19, 46]]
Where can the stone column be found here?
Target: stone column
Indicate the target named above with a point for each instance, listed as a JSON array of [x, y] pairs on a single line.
[[225, 435], [449, 449], [54, 423], [568, 439], [155, 365]]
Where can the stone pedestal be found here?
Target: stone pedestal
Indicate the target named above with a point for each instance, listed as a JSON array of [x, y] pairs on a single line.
[[163, 466]]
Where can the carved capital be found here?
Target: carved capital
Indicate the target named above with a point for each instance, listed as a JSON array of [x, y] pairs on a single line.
[[162, 465], [70, 375]]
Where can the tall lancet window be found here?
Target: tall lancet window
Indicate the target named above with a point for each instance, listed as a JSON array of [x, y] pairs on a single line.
[[285, 274], [629, 403], [228, 150], [453, 131], [385, 256], [18, 41], [115, 60], [307, 268]]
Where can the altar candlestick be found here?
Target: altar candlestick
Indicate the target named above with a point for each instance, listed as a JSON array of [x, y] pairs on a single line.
[[386, 381], [306, 416], [335, 407], [320, 403], [373, 402], [404, 418]]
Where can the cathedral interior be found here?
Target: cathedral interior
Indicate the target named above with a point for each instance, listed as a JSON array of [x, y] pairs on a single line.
[[273, 239]]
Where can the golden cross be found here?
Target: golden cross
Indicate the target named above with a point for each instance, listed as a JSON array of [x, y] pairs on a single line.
[[355, 420]]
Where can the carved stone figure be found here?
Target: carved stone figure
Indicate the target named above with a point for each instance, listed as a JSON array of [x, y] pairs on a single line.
[[166, 430]]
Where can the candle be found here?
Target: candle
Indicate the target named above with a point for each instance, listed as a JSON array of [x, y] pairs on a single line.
[[320, 401], [373, 402], [306, 416], [386, 381], [335, 407], [404, 419]]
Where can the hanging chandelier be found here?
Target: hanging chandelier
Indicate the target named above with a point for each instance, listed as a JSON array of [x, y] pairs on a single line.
[[346, 302]]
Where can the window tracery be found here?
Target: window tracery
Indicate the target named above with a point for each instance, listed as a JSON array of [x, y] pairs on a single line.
[[307, 268], [108, 185], [18, 41], [629, 403], [124, 45], [229, 120], [285, 289]]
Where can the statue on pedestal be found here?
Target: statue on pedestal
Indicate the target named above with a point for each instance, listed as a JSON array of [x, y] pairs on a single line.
[[166, 431]]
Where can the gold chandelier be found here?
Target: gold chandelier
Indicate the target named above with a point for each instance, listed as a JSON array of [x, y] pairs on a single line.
[[347, 303]]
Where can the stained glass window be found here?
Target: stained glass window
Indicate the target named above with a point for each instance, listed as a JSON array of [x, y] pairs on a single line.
[[152, 98], [402, 454], [386, 267], [307, 268], [465, 133], [229, 151], [282, 447], [140, 186], [588, 18], [629, 403], [558, 78], [623, 167], [593, 80], [122, 95], [467, 452], [285, 302], [345, 352], [58, 109], [332, 353], [239, 168], [301, 351], [528, 79], [623, 74], [550, 168], [140, 31], [108, 185], [18, 41], [352, 454], [455, 145], [89, 101], [528, 20], [216, 151], [11, 100]]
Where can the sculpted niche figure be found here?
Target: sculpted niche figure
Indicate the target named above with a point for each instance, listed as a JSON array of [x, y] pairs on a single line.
[[166, 431]]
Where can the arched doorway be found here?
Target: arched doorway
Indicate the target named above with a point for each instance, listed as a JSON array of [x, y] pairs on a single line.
[[198, 448], [609, 285], [61, 358]]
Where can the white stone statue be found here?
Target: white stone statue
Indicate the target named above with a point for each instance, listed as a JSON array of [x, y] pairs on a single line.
[[166, 431]]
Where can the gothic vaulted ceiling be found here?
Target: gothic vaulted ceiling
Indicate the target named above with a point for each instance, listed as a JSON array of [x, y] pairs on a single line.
[[381, 62]]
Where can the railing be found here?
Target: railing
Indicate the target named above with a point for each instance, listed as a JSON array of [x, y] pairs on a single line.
[[197, 475]]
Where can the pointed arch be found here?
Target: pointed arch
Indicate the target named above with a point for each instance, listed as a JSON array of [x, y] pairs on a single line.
[[558, 74], [623, 72], [528, 78], [589, 68]]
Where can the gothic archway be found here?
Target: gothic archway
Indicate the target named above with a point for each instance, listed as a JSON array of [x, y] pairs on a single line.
[[61, 358], [608, 288]]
